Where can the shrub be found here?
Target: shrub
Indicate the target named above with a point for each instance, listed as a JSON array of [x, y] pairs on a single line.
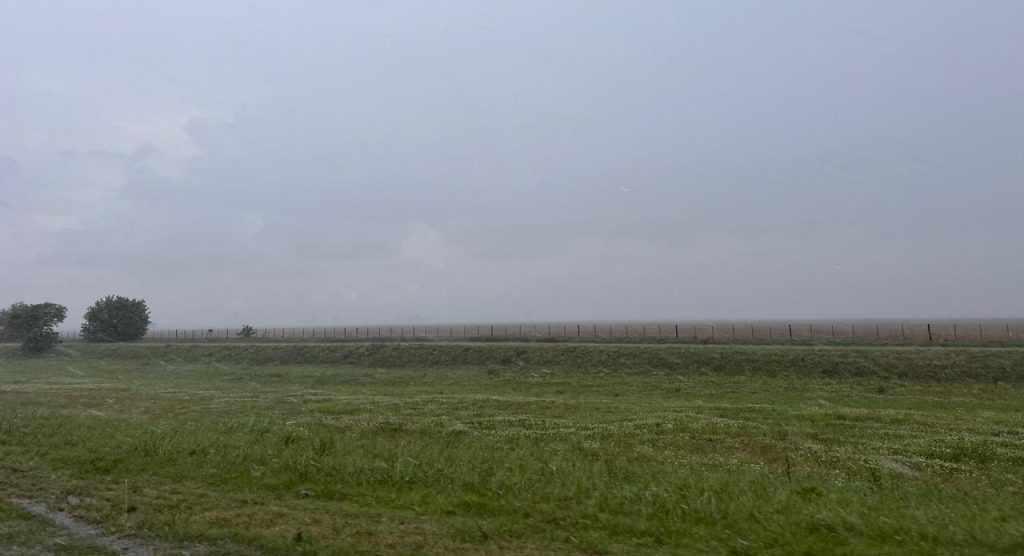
[[247, 332], [116, 319], [33, 325]]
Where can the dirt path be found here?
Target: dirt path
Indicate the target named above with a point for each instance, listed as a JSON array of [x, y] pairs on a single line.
[[79, 528]]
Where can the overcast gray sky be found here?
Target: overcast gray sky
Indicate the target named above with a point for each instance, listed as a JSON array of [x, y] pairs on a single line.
[[407, 161]]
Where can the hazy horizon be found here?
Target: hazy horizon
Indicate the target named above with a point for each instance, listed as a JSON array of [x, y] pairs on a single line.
[[332, 163]]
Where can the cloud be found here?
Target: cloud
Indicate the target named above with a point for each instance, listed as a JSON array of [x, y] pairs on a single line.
[[399, 162]]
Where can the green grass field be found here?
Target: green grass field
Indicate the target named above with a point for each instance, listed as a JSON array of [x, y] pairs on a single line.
[[519, 449]]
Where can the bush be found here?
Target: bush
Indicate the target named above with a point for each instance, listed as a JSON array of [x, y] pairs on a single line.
[[33, 325], [247, 332], [116, 319]]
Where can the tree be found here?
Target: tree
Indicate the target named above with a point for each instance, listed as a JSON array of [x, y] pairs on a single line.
[[33, 325], [116, 319], [6, 334]]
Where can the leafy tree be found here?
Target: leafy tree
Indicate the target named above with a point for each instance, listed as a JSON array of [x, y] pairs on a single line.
[[33, 325], [6, 334], [116, 319], [247, 332]]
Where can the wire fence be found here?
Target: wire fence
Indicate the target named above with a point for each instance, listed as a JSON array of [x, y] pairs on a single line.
[[760, 332]]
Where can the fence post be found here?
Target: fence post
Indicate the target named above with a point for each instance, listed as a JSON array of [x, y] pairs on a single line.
[[677, 331], [833, 331], [712, 332], [929, 331], [878, 334], [791, 332], [903, 332], [954, 332], [578, 331], [981, 333]]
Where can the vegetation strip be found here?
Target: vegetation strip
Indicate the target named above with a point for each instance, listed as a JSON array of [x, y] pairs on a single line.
[[939, 364]]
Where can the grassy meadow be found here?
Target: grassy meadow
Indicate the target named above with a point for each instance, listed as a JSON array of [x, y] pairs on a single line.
[[517, 449]]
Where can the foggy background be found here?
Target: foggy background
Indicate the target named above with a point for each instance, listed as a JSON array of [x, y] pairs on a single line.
[[305, 163]]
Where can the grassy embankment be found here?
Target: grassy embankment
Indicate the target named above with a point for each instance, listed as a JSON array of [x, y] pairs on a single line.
[[511, 448]]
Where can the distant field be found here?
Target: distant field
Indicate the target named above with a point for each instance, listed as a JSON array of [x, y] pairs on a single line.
[[517, 448], [909, 332]]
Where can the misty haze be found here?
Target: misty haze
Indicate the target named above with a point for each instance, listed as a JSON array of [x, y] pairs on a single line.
[[341, 163], [523, 277]]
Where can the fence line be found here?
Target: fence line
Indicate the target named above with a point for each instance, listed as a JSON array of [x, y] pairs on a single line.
[[781, 332]]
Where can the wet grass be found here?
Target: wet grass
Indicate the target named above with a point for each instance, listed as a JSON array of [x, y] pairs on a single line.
[[522, 456]]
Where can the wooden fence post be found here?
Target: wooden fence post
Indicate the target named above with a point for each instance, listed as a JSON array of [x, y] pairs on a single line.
[[929, 332], [791, 332]]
